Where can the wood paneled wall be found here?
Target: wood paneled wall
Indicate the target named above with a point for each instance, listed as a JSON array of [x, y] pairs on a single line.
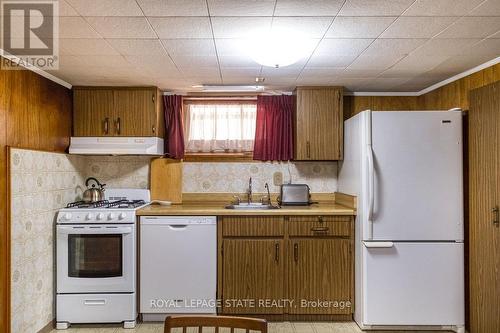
[[454, 94], [35, 113]]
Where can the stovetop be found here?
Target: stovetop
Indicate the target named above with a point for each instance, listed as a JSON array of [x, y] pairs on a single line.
[[106, 204]]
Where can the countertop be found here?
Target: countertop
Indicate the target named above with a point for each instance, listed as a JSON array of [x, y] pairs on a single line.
[[219, 210]]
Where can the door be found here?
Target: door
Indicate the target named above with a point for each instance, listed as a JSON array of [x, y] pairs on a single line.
[[418, 175], [135, 112], [253, 276], [319, 276], [93, 112], [413, 283], [95, 258], [484, 198]]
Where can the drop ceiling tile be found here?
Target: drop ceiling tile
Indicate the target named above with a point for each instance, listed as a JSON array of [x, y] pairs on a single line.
[[181, 27], [322, 71], [320, 80], [360, 73], [441, 7], [358, 27], [174, 7], [183, 61], [238, 27], [200, 72], [417, 27], [333, 47], [237, 61], [93, 61], [489, 46], [232, 46], [487, 8], [382, 84], [307, 8], [238, 80], [374, 7], [310, 27], [472, 27], [372, 62], [195, 46], [460, 63], [420, 62], [438, 47], [91, 46], [401, 72], [287, 71], [241, 7], [239, 72], [122, 27], [399, 46], [351, 84], [151, 64], [66, 10], [137, 46], [330, 61], [75, 27], [106, 8]]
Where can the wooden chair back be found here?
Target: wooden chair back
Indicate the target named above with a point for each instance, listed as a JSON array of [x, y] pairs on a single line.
[[247, 324]]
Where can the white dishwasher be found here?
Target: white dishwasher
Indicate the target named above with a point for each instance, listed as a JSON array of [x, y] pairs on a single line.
[[178, 266]]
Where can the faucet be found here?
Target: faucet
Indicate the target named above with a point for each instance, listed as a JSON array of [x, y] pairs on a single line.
[[249, 191], [268, 194]]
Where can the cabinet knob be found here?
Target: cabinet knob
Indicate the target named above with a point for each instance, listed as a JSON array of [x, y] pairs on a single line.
[[496, 217], [296, 252], [106, 125], [153, 129]]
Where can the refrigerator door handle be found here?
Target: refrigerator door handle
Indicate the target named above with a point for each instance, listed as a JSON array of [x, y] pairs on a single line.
[[371, 191], [379, 245]]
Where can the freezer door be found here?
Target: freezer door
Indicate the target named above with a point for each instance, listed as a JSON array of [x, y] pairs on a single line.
[[414, 284], [418, 182]]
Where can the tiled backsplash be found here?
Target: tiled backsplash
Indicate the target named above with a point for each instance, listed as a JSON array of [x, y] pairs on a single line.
[[133, 172], [41, 183]]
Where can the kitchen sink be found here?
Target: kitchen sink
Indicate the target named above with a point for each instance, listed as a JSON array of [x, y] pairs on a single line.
[[252, 205]]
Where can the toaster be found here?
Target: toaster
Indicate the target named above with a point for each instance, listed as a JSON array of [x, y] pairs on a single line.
[[294, 195]]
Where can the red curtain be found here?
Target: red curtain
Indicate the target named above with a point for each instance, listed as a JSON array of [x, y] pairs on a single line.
[[273, 133], [174, 129]]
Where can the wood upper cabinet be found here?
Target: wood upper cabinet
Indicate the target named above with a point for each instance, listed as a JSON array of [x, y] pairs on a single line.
[[320, 276], [318, 123], [253, 271], [99, 111]]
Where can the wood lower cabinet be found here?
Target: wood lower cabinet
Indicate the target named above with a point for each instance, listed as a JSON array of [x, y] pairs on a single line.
[[319, 276], [278, 266], [127, 111], [253, 272]]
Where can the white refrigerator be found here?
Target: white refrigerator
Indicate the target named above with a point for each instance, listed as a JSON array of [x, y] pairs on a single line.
[[406, 169]]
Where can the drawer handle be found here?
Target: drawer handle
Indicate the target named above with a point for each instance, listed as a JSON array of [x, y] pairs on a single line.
[[277, 252], [94, 302], [106, 126], [320, 229], [296, 252], [320, 219]]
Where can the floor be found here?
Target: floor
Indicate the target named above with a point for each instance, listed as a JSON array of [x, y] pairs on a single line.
[[285, 327]]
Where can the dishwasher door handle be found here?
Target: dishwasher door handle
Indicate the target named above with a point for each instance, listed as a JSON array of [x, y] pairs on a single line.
[[178, 226]]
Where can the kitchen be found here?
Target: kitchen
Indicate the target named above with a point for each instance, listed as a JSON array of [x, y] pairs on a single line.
[[322, 166]]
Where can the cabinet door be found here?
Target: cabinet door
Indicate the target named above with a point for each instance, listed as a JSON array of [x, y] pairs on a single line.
[[319, 276], [135, 112], [252, 274], [93, 112], [319, 123]]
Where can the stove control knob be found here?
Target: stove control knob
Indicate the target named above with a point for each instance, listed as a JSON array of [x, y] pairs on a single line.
[[67, 216], [122, 216], [89, 216], [111, 216], [100, 216]]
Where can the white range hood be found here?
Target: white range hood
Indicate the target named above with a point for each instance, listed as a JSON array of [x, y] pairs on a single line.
[[116, 146]]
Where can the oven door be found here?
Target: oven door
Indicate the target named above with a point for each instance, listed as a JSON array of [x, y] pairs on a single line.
[[95, 258]]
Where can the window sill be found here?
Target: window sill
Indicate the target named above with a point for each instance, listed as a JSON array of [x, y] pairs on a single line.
[[218, 157]]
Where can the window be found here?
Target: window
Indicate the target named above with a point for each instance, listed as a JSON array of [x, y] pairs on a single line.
[[219, 126]]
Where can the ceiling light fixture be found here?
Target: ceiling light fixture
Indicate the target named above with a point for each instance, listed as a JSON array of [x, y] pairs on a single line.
[[278, 47], [229, 88]]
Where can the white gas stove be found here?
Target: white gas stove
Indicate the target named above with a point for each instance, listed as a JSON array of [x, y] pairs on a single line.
[[96, 259]]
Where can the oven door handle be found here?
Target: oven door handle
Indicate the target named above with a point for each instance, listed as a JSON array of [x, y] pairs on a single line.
[[94, 231]]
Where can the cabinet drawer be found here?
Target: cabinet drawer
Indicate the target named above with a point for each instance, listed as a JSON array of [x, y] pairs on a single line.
[[338, 226], [248, 226]]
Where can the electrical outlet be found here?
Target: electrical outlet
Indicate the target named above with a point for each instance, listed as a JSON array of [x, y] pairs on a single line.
[[278, 178]]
